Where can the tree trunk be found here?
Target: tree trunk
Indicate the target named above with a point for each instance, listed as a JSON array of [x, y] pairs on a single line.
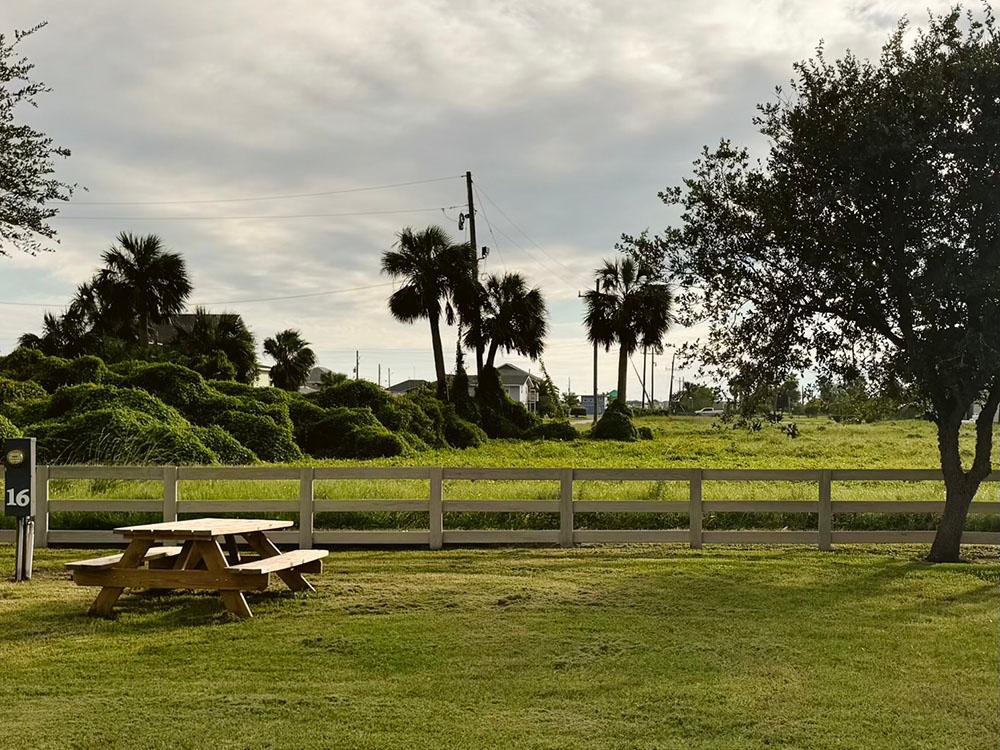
[[622, 375], [491, 357], [442, 376], [961, 486]]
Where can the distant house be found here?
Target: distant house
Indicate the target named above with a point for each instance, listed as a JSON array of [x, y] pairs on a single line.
[[314, 380], [404, 387], [587, 402], [166, 332], [521, 386], [975, 411]]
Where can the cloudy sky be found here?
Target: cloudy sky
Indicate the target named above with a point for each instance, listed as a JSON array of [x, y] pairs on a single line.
[[571, 116]]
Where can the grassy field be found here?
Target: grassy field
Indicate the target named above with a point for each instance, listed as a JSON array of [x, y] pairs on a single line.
[[679, 442], [591, 648]]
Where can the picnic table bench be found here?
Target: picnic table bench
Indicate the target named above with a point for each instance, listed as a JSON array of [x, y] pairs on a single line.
[[198, 563]]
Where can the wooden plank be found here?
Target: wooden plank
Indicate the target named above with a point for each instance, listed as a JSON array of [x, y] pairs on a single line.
[[76, 537], [238, 506], [98, 563], [294, 559], [215, 562], [887, 475], [105, 506], [632, 536], [883, 537], [372, 506], [760, 506], [236, 473], [695, 511], [633, 475], [632, 506], [436, 509], [761, 475], [145, 578], [132, 558], [201, 527], [826, 510], [373, 472], [761, 537], [502, 474], [981, 537], [887, 506], [106, 472], [566, 509], [170, 495], [501, 536], [42, 506], [266, 549], [501, 506], [306, 508], [380, 537]]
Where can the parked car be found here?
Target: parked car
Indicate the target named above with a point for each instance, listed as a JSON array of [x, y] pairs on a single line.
[[709, 411]]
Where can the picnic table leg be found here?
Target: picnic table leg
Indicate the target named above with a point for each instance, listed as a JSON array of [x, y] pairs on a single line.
[[265, 547], [133, 557], [212, 555], [232, 549]]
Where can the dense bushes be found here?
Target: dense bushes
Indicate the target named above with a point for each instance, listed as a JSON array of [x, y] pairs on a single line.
[[553, 431], [615, 424]]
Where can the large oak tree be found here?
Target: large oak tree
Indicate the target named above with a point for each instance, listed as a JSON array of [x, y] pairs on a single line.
[[867, 238]]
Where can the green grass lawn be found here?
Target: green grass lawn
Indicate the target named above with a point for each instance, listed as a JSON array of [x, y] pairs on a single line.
[[638, 647]]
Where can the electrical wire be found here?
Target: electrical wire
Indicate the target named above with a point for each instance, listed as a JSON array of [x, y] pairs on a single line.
[[252, 216], [287, 196], [490, 227]]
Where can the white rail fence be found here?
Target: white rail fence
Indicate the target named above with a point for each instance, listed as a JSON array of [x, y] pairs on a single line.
[[436, 505]]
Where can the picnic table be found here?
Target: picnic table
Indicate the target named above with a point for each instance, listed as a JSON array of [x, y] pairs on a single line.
[[198, 562]]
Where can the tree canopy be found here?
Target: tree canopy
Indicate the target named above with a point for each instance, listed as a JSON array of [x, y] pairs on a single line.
[[28, 185], [867, 238]]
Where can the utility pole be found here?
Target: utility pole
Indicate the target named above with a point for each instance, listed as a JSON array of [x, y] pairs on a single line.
[[475, 273], [379, 374], [670, 398], [357, 364], [652, 377], [597, 288], [643, 402], [388, 379]]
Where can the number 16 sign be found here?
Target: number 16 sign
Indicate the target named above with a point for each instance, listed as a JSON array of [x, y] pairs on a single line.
[[19, 477]]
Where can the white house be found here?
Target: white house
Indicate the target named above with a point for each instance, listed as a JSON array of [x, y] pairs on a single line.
[[521, 386]]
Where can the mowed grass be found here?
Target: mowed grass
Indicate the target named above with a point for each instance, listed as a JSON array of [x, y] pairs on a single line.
[[637, 647]]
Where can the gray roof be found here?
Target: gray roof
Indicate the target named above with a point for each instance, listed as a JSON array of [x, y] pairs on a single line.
[[405, 386]]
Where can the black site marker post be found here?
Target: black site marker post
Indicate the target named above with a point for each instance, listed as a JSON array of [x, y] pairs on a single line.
[[19, 500]]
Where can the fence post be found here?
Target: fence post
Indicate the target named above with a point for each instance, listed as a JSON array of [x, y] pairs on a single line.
[[826, 510], [694, 512], [41, 506], [306, 508], [566, 508], [436, 508], [169, 493]]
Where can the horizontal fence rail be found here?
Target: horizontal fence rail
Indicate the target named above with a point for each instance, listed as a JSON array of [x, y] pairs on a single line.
[[171, 503]]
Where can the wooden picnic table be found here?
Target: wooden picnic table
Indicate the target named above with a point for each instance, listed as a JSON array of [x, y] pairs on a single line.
[[198, 562]]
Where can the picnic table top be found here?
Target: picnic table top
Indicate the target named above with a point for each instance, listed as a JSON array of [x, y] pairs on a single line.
[[201, 528]]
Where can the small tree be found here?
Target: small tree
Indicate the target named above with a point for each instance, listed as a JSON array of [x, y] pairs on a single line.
[[27, 157], [570, 400], [293, 359], [869, 236], [225, 334], [549, 402]]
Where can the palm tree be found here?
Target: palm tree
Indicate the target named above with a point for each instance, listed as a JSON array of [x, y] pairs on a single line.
[[226, 333], [293, 359], [631, 308], [140, 284], [63, 335], [513, 318], [432, 269]]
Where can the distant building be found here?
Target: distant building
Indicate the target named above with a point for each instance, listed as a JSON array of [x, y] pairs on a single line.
[[521, 386], [587, 402], [166, 332], [976, 410], [404, 387], [314, 380]]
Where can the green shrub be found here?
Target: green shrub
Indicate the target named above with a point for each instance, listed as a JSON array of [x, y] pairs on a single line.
[[261, 434], [53, 372], [225, 446], [77, 399], [369, 441], [118, 436], [171, 383], [552, 431], [264, 395], [304, 414], [459, 432], [8, 429], [500, 416], [644, 432], [578, 411], [335, 434], [615, 424], [13, 391]]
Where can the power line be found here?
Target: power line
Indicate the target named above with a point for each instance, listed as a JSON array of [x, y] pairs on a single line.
[[252, 216], [287, 196], [237, 301], [490, 227]]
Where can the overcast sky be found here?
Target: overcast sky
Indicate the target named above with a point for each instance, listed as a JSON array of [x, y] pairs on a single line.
[[571, 116]]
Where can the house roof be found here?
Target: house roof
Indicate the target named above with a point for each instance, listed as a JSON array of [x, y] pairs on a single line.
[[166, 332], [406, 386], [509, 375]]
